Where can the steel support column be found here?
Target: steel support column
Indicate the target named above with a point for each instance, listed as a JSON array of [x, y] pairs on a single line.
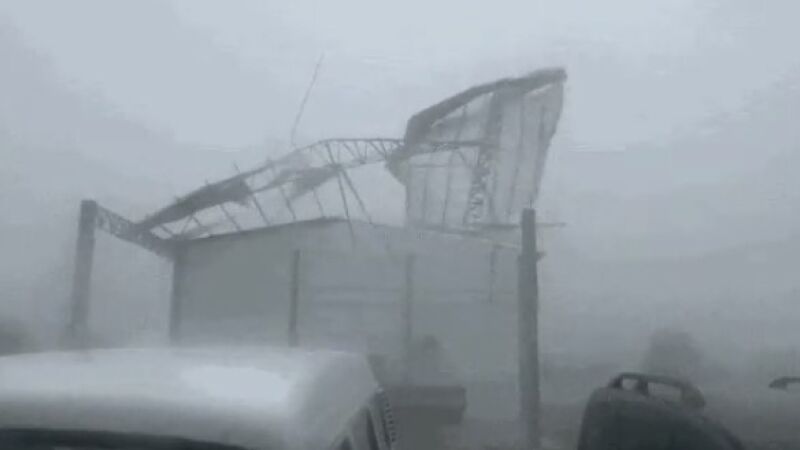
[[528, 334], [82, 276]]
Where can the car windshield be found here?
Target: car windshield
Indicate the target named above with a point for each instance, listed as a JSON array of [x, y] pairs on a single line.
[[42, 439]]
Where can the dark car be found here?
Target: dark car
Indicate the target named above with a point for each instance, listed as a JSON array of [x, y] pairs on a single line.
[[645, 412]]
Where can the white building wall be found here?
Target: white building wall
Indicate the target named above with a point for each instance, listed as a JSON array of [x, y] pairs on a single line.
[[236, 289]]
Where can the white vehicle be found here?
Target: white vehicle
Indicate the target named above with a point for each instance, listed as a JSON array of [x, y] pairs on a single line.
[[186, 399]]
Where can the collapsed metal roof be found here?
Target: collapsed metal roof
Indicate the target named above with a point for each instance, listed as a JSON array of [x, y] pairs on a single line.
[[471, 160]]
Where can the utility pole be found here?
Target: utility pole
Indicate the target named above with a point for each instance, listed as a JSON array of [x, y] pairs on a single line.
[[528, 333]]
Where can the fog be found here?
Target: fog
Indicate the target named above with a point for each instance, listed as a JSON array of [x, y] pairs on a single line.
[[673, 167]]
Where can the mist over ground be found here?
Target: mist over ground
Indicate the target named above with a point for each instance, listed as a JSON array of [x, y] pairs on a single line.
[[673, 168]]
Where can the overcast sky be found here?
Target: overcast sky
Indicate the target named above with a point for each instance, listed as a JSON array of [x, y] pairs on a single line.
[[232, 73]]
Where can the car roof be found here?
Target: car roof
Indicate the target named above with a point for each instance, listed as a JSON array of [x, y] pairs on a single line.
[[252, 398]]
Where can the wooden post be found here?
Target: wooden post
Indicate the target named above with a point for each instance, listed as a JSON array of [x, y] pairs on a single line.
[[528, 291], [294, 299], [408, 312], [176, 295], [78, 328]]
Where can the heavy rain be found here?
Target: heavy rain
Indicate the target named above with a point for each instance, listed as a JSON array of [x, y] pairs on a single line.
[[413, 225]]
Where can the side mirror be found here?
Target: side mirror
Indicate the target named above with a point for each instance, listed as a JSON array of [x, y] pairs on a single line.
[[783, 383], [690, 396]]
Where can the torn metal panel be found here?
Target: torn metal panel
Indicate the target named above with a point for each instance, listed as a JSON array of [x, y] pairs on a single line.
[[231, 190], [512, 122], [422, 124]]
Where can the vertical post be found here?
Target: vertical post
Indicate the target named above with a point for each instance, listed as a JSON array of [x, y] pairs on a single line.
[[528, 292], [492, 271], [77, 333], [408, 312], [175, 312], [407, 200], [294, 299]]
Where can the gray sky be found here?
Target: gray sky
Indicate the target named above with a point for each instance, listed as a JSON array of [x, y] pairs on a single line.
[[231, 74]]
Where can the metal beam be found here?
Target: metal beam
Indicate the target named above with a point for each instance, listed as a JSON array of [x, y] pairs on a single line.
[[480, 196], [122, 228], [229, 217], [293, 169], [255, 201], [286, 199]]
